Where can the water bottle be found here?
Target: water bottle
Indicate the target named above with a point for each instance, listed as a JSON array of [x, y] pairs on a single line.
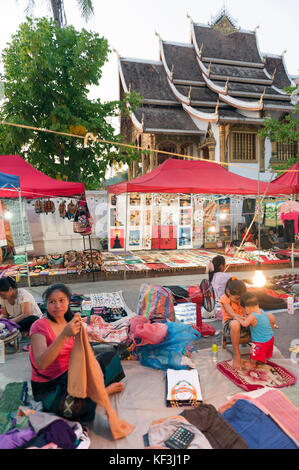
[[2, 352], [214, 352], [290, 303]]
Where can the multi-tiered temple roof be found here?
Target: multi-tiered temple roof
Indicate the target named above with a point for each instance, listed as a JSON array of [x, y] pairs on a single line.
[[221, 76]]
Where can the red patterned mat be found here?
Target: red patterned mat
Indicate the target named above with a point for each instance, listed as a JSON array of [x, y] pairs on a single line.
[[263, 375]]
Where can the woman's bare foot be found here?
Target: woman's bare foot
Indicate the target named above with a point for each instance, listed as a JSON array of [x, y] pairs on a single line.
[[115, 388]]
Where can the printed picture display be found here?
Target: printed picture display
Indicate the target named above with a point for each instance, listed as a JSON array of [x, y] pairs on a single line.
[[135, 199], [185, 236], [117, 238], [185, 216], [135, 218], [185, 200], [148, 199], [134, 238]]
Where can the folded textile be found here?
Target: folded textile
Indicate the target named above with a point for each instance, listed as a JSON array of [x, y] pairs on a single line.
[[85, 379], [161, 430], [9, 324], [220, 434], [15, 438], [257, 429], [98, 330]]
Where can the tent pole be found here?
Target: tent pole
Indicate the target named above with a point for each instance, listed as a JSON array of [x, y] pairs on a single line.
[[24, 236]]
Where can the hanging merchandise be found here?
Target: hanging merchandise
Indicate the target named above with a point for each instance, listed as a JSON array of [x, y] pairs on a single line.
[[82, 218], [248, 210], [38, 206], [71, 209], [48, 206], [62, 209], [289, 214], [16, 226], [3, 241]]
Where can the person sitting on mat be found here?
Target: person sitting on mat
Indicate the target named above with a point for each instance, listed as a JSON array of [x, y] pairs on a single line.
[[261, 326], [217, 275], [232, 311], [18, 305], [52, 340]]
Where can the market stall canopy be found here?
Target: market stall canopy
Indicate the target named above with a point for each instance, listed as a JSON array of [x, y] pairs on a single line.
[[33, 183], [9, 181], [197, 177], [290, 179]]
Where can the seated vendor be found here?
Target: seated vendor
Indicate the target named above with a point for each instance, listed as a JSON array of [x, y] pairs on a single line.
[[217, 275], [232, 312], [18, 305], [247, 237], [52, 341]]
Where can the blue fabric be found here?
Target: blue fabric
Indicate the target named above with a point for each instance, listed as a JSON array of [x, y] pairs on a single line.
[[9, 181], [257, 429], [262, 332]]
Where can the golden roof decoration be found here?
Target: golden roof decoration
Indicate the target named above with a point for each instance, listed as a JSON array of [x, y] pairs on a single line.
[[224, 23]]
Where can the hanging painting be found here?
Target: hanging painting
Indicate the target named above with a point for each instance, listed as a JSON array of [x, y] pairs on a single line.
[[117, 239]]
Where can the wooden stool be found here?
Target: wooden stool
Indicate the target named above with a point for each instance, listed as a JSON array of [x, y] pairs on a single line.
[[243, 340], [13, 338]]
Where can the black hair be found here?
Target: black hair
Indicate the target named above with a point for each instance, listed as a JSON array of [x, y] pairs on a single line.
[[249, 299], [217, 262], [6, 283], [235, 287], [62, 288]]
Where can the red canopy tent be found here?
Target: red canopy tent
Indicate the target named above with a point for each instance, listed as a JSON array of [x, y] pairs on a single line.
[[33, 183], [289, 179], [198, 177]]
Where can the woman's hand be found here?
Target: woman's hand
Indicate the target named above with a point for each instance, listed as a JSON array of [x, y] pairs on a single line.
[[73, 327]]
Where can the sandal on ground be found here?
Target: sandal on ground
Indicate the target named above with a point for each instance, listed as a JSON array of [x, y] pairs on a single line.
[[26, 348]]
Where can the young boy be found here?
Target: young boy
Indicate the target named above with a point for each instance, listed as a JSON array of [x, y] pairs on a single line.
[[261, 326]]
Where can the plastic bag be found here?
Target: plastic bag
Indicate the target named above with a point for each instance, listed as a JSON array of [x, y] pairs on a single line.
[[168, 353], [149, 333]]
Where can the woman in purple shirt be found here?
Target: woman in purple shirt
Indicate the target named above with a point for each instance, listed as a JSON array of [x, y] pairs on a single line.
[[217, 275]]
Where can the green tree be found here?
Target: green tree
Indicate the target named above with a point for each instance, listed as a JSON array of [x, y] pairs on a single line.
[[48, 70], [58, 12], [285, 130]]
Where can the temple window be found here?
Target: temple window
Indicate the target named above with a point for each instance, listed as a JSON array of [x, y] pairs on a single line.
[[244, 146], [285, 151]]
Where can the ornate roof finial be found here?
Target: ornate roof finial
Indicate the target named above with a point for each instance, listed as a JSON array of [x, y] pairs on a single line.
[[217, 106], [157, 34], [283, 53], [256, 28], [226, 85], [273, 74], [265, 59], [262, 95], [209, 69], [188, 16], [171, 72], [116, 52], [189, 94]]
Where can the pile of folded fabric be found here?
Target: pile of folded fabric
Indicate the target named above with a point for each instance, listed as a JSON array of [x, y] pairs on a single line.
[[24, 427]]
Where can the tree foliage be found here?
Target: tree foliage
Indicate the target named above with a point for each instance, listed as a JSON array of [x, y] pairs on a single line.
[[48, 72], [285, 130]]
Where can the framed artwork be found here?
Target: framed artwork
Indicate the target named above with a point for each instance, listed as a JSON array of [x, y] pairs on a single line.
[[135, 199], [185, 200], [117, 238], [185, 217], [134, 238], [148, 199], [185, 237], [135, 217]]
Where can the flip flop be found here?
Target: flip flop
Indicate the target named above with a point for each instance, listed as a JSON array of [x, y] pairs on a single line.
[[26, 348]]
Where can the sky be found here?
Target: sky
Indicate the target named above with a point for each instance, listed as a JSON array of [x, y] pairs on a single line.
[[129, 26]]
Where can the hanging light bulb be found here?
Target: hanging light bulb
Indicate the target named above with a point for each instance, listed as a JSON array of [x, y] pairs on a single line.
[[259, 279], [222, 216], [8, 215]]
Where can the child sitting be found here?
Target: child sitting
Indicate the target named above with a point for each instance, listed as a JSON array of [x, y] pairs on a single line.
[[261, 326], [232, 311]]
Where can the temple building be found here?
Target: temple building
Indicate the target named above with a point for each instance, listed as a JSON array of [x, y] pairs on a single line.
[[208, 99]]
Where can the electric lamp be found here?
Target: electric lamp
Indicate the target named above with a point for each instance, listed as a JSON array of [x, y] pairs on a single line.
[[259, 279]]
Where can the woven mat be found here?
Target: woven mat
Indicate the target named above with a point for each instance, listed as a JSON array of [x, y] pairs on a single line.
[[263, 375]]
